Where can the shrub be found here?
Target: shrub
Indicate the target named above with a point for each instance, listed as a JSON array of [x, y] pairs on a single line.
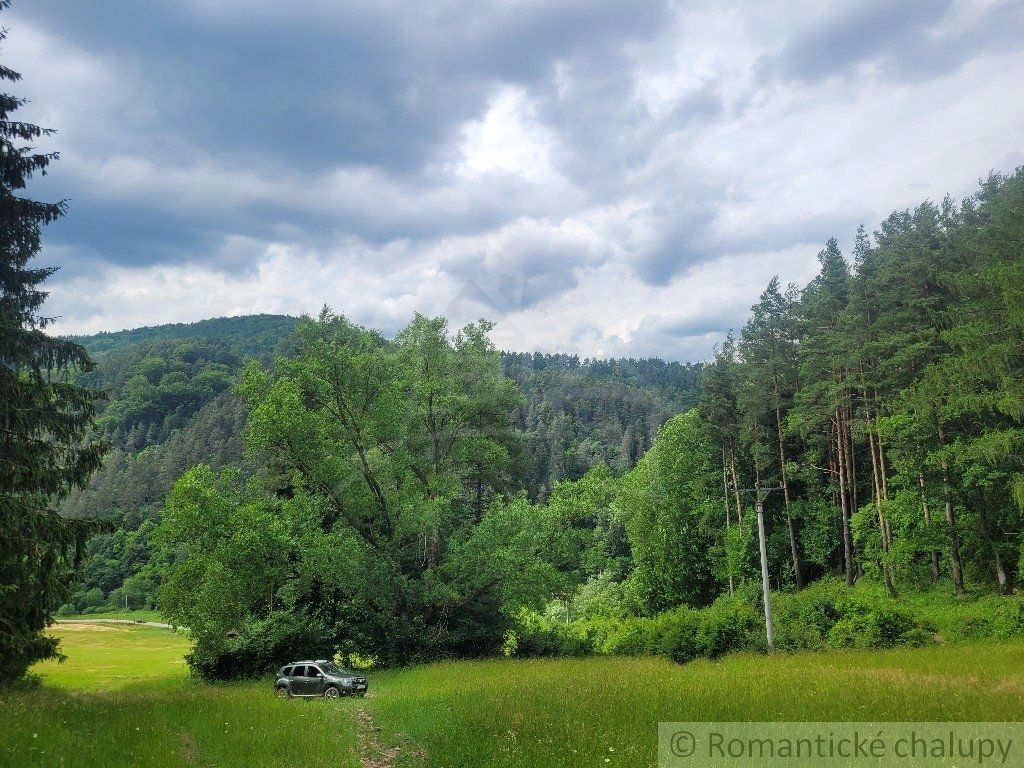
[[260, 647], [1009, 618], [634, 636], [803, 619], [539, 635], [92, 600], [826, 614], [875, 623], [679, 636], [727, 625]]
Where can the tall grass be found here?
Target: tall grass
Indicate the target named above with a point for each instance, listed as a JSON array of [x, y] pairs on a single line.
[[124, 698], [557, 713], [584, 712], [111, 656]]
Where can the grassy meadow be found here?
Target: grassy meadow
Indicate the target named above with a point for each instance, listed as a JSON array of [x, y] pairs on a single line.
[[124, 698], [109, 657], [120, 615]]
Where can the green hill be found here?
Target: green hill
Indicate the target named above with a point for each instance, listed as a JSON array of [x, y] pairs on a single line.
[[171, 406]]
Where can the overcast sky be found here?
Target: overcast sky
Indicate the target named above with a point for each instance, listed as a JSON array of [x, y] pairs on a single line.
[[607, 178]]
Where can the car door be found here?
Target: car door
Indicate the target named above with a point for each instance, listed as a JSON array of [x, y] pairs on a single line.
[[300, 684], [314, 681], [293, 683]]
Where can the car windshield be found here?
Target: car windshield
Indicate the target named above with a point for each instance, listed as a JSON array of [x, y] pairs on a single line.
[[331, 669]]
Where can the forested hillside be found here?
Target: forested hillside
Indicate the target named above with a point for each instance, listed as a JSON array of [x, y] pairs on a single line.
[[577, 414], [171, 406], [879, 413]]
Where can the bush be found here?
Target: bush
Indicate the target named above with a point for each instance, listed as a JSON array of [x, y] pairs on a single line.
[[876, 626], [1009, 618], [539, 635], [66, 610], [92, 600], [804, 619], [679, 638], [634, 637], [999, 616], [729, 624], [260, 647], [826, 614]]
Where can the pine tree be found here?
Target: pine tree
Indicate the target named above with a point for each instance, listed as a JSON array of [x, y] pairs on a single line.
[[983, 375], [768, 347], [45, 418], [719, 408], [915, 261], [821, 409]]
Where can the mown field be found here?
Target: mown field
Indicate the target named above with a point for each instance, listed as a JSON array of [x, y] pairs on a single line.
[[125, 615], [124, 698]]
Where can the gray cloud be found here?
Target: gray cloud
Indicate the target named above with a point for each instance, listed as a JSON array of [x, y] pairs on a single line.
[[907, 40], [577, 169], [521, 266], [312, 84]]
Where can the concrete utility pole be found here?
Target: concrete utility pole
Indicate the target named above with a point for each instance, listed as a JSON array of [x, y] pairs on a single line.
[[769, 624]]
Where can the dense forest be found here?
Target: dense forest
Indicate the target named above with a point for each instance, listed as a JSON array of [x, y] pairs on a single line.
[[172, 405], [879, 413]]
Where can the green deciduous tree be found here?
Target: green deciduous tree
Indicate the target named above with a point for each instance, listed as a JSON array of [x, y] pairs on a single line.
[[398, 454], [670, 506]]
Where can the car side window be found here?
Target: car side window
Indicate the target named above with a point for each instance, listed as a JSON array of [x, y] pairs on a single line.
[[299, 672], [287, 671], [314, 672]]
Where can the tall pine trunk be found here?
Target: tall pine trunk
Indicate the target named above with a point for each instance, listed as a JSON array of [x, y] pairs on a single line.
[[955, 568], [725, 494], [1005, 581], [878, 492], [793, 553], [844, 499], [928, 523], [736, 486]]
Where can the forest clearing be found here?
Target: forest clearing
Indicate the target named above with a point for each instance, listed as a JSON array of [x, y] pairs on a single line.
[[146, 710]]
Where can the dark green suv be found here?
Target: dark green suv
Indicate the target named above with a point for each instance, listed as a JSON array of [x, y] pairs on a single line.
[[318, 678]]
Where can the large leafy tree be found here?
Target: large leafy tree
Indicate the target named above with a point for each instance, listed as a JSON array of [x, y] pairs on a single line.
[[671, 514], [388, 456], [45, 418]]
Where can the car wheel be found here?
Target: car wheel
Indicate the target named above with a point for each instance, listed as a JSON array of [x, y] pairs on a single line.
[[331, 692], [283, 692]]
